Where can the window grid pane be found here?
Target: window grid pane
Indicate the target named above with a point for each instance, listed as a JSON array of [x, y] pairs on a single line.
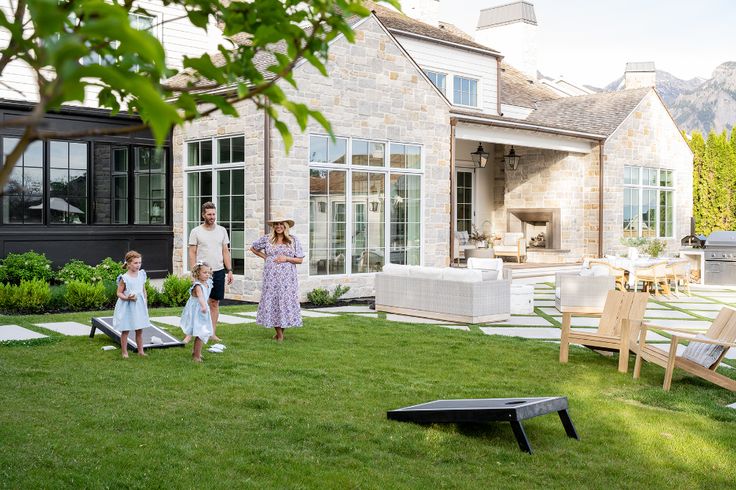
[[150, 186], [68, 182], [648, 202], [22, 202]]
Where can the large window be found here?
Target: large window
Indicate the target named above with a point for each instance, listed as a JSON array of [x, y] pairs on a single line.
[[215, 172], [353, 225], [67, 182], [648, 202], [465, 91]]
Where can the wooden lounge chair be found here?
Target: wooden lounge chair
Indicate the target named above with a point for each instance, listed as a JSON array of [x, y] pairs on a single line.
[[611, 334], [701, 357]]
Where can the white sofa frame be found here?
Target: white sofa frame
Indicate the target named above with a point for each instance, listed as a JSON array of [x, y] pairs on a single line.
[[444, 299]]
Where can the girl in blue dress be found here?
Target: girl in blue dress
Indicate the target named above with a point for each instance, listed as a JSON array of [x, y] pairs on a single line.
[[131, 309], [195, 319]]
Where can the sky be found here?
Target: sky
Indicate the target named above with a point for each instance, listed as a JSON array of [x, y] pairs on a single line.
[[589, 42]]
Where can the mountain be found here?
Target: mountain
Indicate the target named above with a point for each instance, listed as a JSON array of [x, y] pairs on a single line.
[[710, 106], [697, 104], [668, 86]]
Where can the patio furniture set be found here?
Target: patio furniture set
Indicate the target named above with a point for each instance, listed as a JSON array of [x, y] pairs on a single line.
[[510, 245], [622, 329]]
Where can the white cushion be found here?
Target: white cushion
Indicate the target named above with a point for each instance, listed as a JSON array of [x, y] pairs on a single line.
[[703, 354], [557, 292], [512, 238], [396, 270], [462, 275], [586, 273], [426, 272]]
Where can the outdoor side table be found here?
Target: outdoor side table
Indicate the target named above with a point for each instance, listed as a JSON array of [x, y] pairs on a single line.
[[512, 410]]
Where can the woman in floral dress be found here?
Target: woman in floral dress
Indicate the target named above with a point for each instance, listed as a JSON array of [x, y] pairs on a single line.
[[279, 305]]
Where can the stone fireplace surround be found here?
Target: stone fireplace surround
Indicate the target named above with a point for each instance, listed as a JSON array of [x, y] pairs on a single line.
[[524, 219]]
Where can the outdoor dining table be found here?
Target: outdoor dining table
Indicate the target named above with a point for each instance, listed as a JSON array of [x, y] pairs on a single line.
[[633, 265]]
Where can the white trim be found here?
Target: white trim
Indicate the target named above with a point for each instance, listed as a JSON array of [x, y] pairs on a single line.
[[509, 124], [489, 52]]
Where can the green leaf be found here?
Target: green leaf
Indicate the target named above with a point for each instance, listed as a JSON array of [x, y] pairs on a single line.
[[285, 134]]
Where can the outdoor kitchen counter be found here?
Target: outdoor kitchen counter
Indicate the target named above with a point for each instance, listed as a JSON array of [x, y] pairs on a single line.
[[696, 257]]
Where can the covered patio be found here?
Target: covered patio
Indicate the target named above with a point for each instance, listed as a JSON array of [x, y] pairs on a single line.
[[539, 182]]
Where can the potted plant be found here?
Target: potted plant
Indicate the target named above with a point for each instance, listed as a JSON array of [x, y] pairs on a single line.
[[479, 238]]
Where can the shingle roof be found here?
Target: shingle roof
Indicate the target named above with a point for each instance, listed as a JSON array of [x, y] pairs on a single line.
[[517, 89], [507, 14], [398, 23], [598, 113]]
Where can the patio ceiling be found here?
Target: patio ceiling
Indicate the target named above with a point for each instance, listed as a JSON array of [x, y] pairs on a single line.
[[523, 137]]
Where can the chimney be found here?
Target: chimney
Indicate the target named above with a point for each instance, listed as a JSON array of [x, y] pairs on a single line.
[[639, 75], [511, 29]]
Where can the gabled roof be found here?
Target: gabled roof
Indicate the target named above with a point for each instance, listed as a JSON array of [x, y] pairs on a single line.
[[597, 113], [517, 89], [398, 23]]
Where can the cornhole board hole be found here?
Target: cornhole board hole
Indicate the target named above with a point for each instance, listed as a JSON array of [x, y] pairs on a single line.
[[104, 324], [476, 410]]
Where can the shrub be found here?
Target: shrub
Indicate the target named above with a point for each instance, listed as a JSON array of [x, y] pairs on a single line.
[[26, 266], [153, 294], [57, 301], [32, 296], [176, 290], [75, 270], [322, 297], [111, 292], [27, 297], [108, 270], [82, 296]]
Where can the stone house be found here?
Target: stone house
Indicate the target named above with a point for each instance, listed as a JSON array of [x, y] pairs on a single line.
[[409, 103], [96, 196]]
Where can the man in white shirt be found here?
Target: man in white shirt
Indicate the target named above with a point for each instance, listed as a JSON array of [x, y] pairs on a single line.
[[208, 243]]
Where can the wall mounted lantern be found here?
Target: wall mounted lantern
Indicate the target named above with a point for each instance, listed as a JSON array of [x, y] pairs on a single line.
[[512, 159], [479, 156]]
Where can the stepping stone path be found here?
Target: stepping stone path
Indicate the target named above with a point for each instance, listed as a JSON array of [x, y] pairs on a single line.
[[75, 329], [14, 332], [524, 332], [346, 309], [393, 317]]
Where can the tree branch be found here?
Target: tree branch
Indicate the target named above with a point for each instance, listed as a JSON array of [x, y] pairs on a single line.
[[9, 52]]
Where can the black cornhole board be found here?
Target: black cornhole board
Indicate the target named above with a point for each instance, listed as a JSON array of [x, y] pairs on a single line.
[[105, 326], [512, 410]]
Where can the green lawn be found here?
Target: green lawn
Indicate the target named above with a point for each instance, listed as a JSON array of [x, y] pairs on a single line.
[[311, 413]]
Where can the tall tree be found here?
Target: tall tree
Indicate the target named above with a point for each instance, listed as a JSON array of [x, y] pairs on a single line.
[[73, 45]]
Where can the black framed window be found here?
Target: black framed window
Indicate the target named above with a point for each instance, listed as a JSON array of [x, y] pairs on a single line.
[[150, 185], [67, 183], [22, 199]]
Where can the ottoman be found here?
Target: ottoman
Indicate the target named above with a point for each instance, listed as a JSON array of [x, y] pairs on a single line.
[[522, 299]]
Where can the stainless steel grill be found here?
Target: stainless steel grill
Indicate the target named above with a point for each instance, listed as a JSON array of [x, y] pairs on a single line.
[[720, 258]]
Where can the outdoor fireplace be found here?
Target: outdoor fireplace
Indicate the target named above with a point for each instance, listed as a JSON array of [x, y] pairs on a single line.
[[541, 226]]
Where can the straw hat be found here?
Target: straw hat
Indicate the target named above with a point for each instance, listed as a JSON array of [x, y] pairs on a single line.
[[280, 219]]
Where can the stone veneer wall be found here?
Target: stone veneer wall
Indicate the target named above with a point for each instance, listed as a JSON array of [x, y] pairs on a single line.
[[647, 138], [373, 91], [553, 179]]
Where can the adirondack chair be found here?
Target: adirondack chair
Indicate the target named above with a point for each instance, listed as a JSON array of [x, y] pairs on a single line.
[[610, 336], [701, 357]]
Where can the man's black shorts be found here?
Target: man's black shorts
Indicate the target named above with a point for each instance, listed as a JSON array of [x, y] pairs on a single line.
[[218, 285]]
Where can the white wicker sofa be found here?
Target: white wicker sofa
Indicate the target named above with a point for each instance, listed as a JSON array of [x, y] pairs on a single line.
[[452, 294]]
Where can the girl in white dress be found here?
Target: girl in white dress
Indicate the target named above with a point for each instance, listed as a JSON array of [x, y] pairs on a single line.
[[195, 319], [131, 308]]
